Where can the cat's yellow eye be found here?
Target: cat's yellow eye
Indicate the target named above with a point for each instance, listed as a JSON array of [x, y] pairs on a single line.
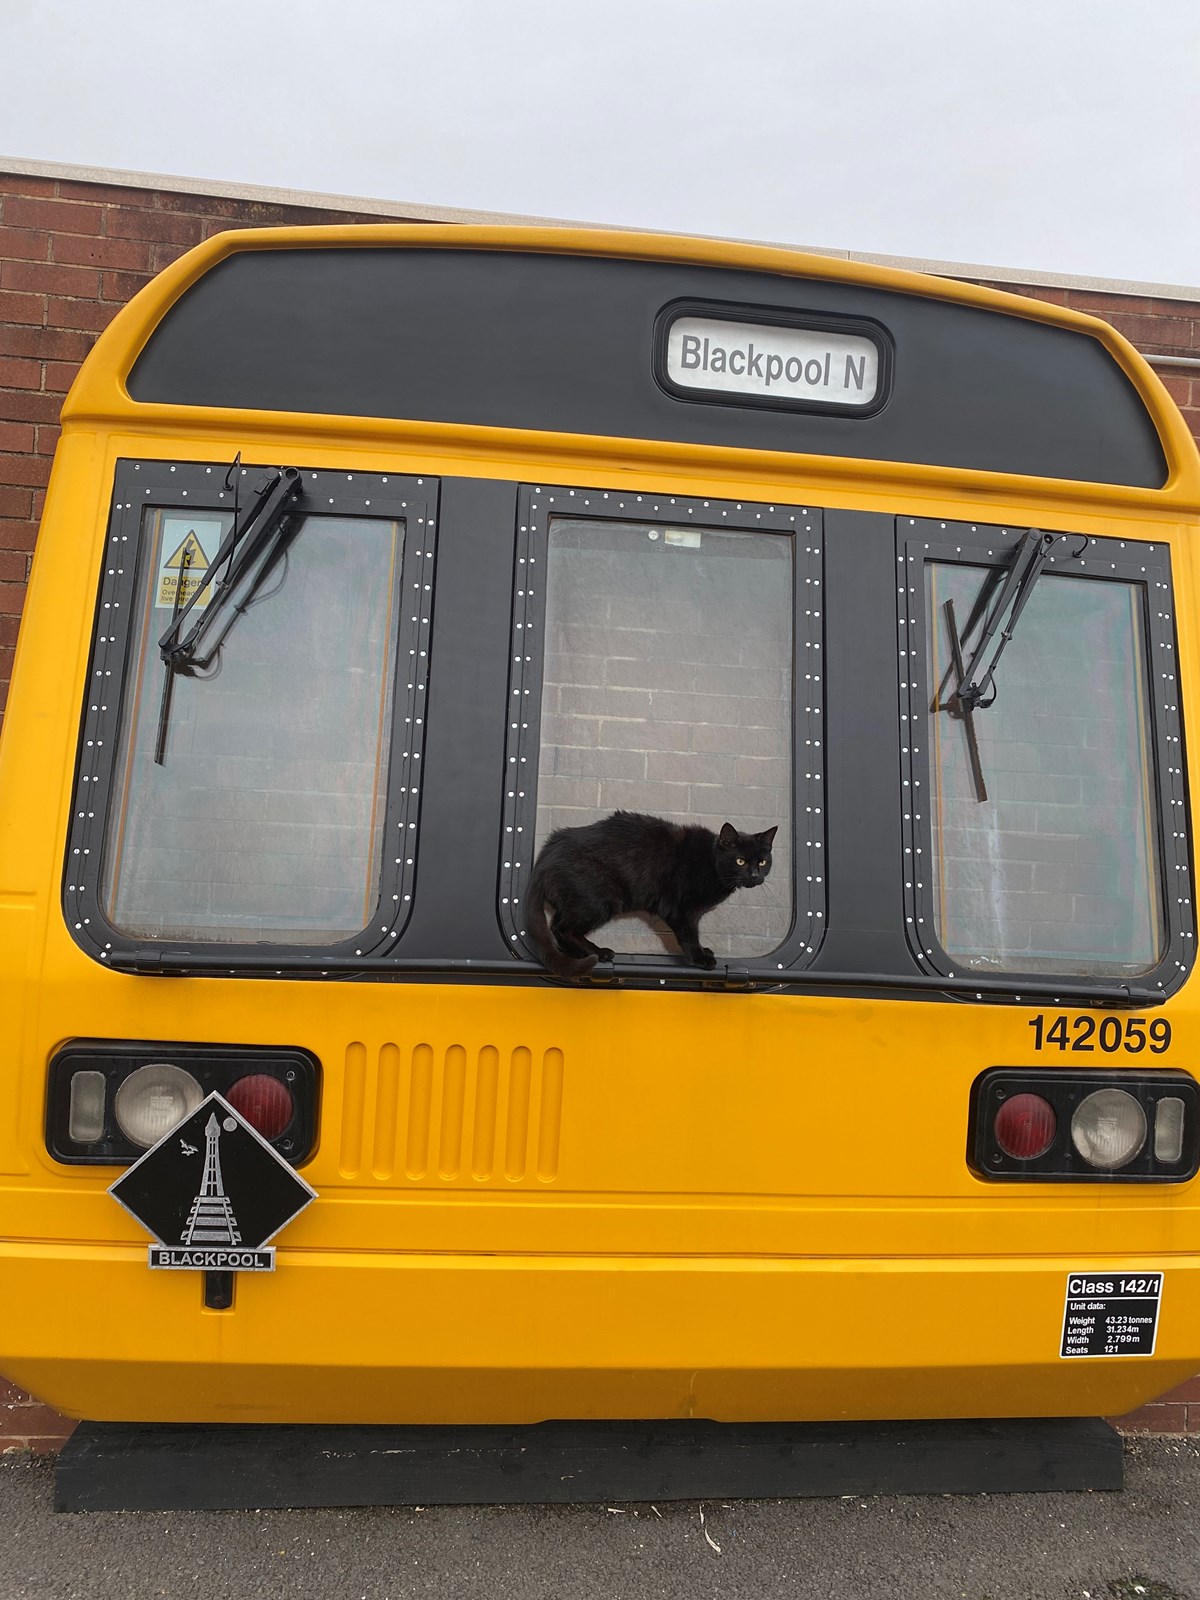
[[763, 862], [741, 861]]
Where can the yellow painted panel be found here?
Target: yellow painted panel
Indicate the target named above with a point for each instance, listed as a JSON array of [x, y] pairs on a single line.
[[521, 1340]]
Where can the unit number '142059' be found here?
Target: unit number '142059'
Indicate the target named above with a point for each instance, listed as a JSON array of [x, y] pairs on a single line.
[[1084, 1034]]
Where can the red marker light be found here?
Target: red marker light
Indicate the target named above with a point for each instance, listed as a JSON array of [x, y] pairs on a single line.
[[266, 1104], [1025, 1126]]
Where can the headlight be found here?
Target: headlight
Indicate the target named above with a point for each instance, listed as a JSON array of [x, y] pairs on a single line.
[[153, 1100], [1108, 1129]]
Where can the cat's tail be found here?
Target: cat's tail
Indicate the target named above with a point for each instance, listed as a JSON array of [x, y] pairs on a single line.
[[538, 930]]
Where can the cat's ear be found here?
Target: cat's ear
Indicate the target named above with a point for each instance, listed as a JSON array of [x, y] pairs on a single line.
[[728, 836], [769, 834]]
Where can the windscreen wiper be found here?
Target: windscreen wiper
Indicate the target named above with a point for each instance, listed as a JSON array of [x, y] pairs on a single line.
[[974, 680], [275, 500], [275, 497], [1024, 570]]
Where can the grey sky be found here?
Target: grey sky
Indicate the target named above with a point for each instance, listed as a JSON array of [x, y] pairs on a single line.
[[1055, 135]]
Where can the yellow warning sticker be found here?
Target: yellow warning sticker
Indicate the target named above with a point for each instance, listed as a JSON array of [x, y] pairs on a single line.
[[188, 545]]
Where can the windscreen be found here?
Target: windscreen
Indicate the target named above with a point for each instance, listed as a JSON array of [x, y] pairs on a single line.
[[263, 820], [1045, 856]]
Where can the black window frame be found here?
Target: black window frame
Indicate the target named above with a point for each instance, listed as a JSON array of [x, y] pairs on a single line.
[[537, 505], [175, 485], [1145, 563]]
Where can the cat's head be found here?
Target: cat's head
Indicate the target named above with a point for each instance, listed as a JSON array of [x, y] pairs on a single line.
[[744, 859]]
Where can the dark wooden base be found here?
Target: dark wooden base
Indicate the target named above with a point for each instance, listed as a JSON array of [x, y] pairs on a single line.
[[165, 1467]]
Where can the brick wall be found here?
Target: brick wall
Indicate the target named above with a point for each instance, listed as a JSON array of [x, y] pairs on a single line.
[[73, 252]]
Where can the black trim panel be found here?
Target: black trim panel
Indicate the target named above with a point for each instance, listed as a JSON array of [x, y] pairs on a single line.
[[458, 881], [454, 912], [565, 344], [863, 849]]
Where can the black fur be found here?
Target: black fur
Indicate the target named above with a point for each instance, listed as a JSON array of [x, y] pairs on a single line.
[[627, 862]]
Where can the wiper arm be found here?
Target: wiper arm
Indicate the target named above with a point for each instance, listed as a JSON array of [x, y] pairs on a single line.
[[1024, 571], [276, 498]]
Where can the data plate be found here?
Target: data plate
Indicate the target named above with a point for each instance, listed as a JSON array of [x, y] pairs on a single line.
[[1111, 1313]]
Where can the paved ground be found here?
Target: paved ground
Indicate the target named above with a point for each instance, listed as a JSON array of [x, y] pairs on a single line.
[[1143, 1544]]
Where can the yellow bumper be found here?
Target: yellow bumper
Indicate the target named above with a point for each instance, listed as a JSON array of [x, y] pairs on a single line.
[[379, 1337]]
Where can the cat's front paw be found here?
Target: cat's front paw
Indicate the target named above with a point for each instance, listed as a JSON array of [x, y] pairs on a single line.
[[604, 955], [705, 958]]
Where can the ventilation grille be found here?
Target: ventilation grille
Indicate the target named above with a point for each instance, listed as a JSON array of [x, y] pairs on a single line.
[[430, 1115]]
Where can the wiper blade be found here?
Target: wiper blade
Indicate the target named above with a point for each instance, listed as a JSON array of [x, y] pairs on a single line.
[[958, 707], [1024, 571], [275, 500]]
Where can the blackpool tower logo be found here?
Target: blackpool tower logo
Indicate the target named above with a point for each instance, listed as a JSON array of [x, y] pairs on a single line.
[[212, 1220]]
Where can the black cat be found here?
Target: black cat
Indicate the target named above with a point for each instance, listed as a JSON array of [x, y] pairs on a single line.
[[627, 862]]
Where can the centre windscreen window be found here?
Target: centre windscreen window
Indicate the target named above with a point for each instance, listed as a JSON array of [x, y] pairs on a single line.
[[666, 660], [252, 735], [1044, 802]]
